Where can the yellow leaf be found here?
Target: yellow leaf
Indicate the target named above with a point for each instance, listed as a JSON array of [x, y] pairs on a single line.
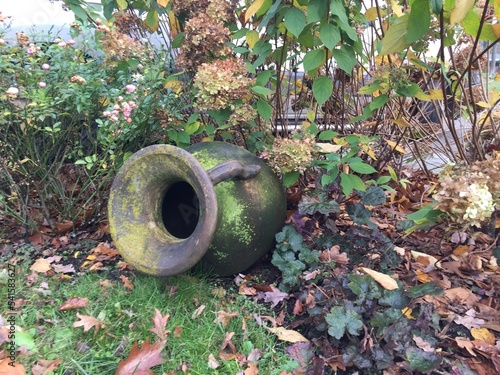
[[401, 122], [327, 148], [483, 334], [287, 335], [483, 104], [422, 96], [371, 14], [496, 4], [395, 146], [175, 26], [163, 3], [496, 29], [41, 265], [175, 85], [369, 151], [252, 9], [436, 94], [460, 10], [396, 8], [386, 281], [252, 37], [423, 277], [407, 312]]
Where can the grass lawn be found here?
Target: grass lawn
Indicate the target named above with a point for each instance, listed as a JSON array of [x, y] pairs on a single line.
[[201, 312]]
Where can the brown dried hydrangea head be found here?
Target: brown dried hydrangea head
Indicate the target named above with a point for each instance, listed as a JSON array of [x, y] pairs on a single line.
[[290, 154], [189, 8], [204, 41], [222, 11], [242, 115], [118, 46], [220, 83], [128, 23]]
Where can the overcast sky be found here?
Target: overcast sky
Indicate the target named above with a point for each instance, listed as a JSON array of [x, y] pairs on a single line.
[[40, 12]]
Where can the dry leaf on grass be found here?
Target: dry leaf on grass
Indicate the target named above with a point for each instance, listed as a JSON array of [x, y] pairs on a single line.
[[7, 369], [225, 317], [386, 281], [213, 363], [228, 351], [198, 312], [87, 322], [73, 303], [287, 334], [126, 282], [252, 369], [160, 322], [41, 266], [140, 361], [45, 366]]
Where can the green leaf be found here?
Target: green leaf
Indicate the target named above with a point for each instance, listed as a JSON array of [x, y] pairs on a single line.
[[261, 90], [263, 77], [25, 338], [421, 360], [436, 6], [427, 289], [373, 196], [345, 58], [365, 287], [329, 35], [192, 127], [394, 298], [152, 19], [264, 109], [290, 178], [337, 8], [419, 20], [349, 182], [322, 89], [316, 10], [295, 21], [313, 59], [178, 40], [378, 102], [426, 212], [220, 116], [395, 38], [327, 135], [122, 4], [341, 320], [409, 89], [362, 168]]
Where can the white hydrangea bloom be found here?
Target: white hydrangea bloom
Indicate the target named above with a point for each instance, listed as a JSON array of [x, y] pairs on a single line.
[[481, 204]]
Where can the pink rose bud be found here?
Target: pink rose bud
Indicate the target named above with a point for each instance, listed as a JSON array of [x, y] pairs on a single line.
[[130, 88], [61, 44], [129, 120], [42, 85], [45, 66], [71, 42], [120, 98], [2, 42]]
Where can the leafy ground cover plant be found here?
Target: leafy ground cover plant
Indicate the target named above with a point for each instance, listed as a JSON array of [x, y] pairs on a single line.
[[85, 315]]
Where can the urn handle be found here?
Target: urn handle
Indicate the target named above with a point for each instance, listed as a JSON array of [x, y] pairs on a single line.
[[232, 169]]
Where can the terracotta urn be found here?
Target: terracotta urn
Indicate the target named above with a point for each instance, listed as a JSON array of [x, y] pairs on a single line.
[[213, 204]]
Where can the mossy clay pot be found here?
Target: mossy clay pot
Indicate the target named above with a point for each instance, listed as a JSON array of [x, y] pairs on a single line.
[[213, 204]]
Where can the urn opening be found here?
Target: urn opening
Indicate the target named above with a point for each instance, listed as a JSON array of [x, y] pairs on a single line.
[[180, 209]]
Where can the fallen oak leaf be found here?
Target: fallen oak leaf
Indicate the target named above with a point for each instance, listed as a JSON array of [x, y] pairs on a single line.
[[73, 303], [45, 366], [59, 268], [87, 322], [160, 322], [140, 361], [275, 297], [386, 281], [126, 282]]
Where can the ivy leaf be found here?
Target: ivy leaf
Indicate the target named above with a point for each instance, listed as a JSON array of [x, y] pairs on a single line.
[[313, 59], [309, 206], [421, 360], [395, 39], [322, 89], [329, 35], [419, 21], [364, 287], [373, 196], [341, 320], [295, 21], [427, 289], [345, 58], [359, 214]]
